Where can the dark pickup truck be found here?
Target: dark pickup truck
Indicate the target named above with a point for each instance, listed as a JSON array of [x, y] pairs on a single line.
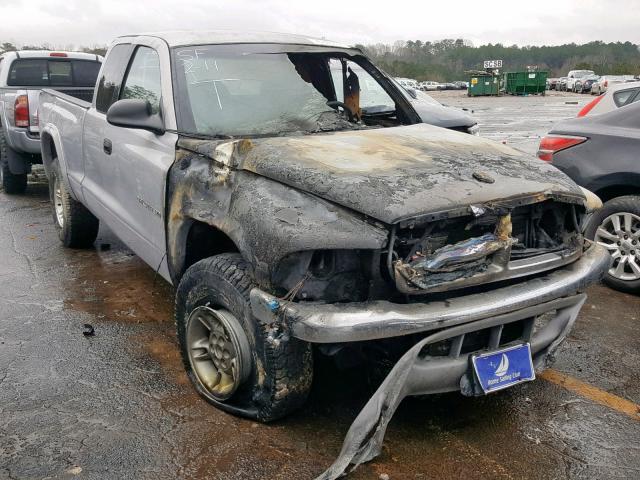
[[294, 212]]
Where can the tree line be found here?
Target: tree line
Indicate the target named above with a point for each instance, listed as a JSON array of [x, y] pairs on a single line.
[[11, 47], [449, 59]]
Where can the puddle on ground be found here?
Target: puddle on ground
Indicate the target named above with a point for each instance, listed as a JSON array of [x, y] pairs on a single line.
[[118, 285]]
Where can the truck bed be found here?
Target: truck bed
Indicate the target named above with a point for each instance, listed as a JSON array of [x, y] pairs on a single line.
[[80, 97], [64, 115]]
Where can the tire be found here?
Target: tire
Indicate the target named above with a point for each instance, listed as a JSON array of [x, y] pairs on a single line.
[[278, 369], [77, 227], [602, 228], [11, 183]]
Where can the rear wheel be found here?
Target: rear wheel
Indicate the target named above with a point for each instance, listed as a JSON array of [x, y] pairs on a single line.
[[234, 361], [11, 183], [77, 227], [616, 226]]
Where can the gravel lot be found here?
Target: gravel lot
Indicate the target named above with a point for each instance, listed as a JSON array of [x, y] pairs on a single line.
[[118, 405]]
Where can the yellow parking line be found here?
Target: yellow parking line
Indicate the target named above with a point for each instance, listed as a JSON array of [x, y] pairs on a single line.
[[592, 393]]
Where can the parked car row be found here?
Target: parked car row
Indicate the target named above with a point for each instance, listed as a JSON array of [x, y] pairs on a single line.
[[300, 204], [607, 81], [430, 86], [585, 84], [586, 81]]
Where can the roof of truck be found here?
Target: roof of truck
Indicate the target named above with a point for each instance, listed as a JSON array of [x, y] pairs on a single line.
[[57, 54], [189, 37]]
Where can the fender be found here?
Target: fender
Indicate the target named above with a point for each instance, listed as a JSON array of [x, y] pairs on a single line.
[[50, 133], [616, 179]]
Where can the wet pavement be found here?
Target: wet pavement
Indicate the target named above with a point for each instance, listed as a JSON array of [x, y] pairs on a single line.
[[518, 121], [118, 405]]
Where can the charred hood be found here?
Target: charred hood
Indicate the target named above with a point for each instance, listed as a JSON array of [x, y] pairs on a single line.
[[395, 173]]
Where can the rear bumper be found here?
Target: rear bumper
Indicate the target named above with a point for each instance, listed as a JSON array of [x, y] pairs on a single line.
[[22, 141], [338, 323]]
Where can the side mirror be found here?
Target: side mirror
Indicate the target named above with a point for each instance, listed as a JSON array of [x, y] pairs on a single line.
[[135, 113]]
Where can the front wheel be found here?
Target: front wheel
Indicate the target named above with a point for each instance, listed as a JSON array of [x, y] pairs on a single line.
[[233, 360], [616, 226], [77, 227]]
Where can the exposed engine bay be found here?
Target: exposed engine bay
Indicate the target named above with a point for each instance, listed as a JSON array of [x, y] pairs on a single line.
[[474, 249]]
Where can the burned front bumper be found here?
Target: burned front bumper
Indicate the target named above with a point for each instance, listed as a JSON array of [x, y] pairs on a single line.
[[350, 322], [545, 308]]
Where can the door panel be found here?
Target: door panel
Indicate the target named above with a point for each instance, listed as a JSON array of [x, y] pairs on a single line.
[[126, 169]]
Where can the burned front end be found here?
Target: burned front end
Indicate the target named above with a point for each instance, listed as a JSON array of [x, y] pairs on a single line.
[[437, 271], [450, 289]]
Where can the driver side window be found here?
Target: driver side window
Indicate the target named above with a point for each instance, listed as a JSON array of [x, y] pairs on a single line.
[[371, 92], [143, 78]]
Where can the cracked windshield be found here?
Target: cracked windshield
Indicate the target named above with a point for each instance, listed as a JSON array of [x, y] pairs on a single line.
[[234, 93]]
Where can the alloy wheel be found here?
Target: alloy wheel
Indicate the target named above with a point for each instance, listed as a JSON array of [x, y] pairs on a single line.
[[218, 351], [620, 235], [57, 202]]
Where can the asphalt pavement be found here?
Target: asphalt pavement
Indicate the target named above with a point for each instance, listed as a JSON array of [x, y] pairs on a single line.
[[117, 405]]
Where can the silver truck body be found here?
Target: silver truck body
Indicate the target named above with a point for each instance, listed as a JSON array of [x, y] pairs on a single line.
[[279, 199]]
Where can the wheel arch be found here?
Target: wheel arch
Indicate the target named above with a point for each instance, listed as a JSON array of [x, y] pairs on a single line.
[[48, 149], [610, 192], [194, 241]]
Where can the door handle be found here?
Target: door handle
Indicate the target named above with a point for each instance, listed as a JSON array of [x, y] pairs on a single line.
[[107, 146]]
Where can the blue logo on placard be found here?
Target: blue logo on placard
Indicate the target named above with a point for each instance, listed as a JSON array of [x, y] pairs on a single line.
[[497, 370]]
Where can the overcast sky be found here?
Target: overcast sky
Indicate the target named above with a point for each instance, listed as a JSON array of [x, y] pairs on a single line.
[[533, 22]]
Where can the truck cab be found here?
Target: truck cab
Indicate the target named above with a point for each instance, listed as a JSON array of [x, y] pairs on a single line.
[[23, 75]]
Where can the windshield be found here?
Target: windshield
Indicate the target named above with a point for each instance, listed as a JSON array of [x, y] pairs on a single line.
[[240, 90]]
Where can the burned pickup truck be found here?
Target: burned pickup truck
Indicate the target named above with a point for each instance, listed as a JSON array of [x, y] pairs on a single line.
[[294, 212]]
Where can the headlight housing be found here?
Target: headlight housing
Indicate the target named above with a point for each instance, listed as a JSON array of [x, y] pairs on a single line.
[[592, 201], [327, 275]]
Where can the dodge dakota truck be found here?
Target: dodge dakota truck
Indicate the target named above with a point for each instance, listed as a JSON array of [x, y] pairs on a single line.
[[22, 75], [294, 212]]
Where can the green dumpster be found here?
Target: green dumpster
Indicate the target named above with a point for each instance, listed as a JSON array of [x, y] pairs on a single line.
[[483, 84], [525, 83]]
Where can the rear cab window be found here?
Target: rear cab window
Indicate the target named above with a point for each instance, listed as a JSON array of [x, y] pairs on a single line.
[[42, 72]]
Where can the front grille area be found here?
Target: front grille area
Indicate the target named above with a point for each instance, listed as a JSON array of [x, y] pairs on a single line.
[[482, 340], [483, 246], [542, 225]]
